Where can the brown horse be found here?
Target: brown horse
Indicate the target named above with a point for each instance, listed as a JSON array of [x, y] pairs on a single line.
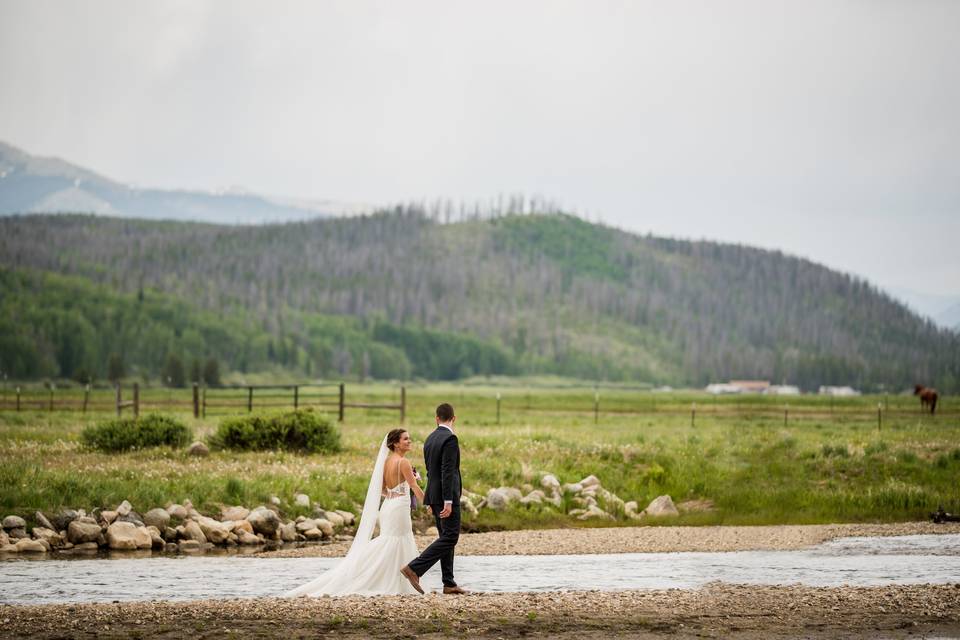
[[928, 397]]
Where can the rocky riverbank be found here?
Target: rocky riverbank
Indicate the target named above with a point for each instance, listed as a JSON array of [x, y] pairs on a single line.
[[659, 539], [715, 611]]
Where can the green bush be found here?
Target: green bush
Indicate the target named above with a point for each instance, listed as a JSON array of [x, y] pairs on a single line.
[[293, 431], [123, 434]]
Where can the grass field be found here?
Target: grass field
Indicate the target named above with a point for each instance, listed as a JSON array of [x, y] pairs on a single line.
[[814, 460]]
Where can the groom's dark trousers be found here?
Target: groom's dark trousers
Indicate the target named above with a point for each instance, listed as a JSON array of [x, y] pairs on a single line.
[[441, 453]]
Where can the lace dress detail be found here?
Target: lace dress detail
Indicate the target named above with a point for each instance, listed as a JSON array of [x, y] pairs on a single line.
[[402, 490]]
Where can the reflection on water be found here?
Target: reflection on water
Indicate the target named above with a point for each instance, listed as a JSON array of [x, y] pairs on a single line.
[[851, 561]]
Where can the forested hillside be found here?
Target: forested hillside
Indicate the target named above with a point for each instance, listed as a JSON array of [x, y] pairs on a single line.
[[535, 293]]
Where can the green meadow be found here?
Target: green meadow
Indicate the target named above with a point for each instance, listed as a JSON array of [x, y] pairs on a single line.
[[758, 459]]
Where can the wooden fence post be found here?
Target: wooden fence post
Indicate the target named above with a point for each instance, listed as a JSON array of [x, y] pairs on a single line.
[[196, 400], [498, 407], [296, 397], [693, 414], [52, 387], [249, 399], [86, 397], [203, 403], [879, 415], [596, 407], [341, 401], [136, 399], [786, 411], [18, 398], [403, 404], [119, 398]]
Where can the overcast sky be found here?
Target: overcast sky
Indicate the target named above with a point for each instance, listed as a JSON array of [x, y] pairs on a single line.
[[826, 129]]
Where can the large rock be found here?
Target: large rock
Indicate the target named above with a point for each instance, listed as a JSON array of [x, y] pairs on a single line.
[[242, 525], [63, 519], [9, 548], [301, 500], [550, 483], [4, 538], [234, 513], [572, 488], [133, 518], [158, 518], [192, 531], [177, 511], [215, 532], [662, 506], [198, 449], [333, 518], [27, 545], [14, 522], [534, 497], [264, 521], [108, 516], [51, 536], [42, 521], [126, 536], [348, 518], [156, 538], [590, 481], [79, 532], [246, 537], [497, 499], [513, 494], [288, 532], [18, 533], [124, 508], [324, 525], [313, 534], [594, 511], [304, 525], [189, 545], [466, 504]]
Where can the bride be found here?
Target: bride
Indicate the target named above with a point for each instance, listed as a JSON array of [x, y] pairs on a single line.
[[372, 566]]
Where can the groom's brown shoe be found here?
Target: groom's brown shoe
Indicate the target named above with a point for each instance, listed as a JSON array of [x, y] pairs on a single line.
[[411, 575], [455, 591]]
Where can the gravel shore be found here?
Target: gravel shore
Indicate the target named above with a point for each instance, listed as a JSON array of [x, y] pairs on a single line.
[[715, 611], [648, 539]]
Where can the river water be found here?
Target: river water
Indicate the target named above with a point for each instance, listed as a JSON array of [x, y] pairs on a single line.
[[847, 561]]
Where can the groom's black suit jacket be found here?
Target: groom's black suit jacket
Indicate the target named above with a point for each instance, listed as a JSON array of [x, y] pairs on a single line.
[[441, 454]]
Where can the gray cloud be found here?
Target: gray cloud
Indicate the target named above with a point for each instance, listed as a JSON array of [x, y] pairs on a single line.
[[826, 129]]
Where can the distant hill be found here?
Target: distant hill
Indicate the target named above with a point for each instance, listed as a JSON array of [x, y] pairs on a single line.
[[31, 184], [529, 293]]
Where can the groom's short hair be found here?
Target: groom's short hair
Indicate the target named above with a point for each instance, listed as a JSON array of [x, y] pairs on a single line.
[[445, 412]]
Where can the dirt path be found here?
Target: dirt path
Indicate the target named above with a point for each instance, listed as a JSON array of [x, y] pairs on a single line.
[[648, 539], [749, 612]]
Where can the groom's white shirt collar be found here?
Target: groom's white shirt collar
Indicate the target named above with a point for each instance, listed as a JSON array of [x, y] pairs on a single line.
[[445, 426]]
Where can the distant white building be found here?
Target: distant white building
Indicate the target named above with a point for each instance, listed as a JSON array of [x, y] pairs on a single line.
[[783, 390], [721, 388], [838, 391]]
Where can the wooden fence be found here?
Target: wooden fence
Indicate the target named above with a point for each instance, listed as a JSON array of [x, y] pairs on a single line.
[[204, 401]]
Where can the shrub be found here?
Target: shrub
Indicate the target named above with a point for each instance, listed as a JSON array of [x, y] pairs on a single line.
[[293, 431], [123, 434]]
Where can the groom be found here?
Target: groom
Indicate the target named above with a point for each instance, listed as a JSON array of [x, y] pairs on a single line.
[[441, 454]]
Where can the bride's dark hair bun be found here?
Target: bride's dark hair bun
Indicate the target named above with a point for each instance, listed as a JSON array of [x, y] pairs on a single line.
[[394, 437]]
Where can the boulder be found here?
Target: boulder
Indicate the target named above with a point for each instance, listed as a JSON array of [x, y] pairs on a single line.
[[513, 494], [333, 518], [158, 518], [630, 507], [27, 545], [18, 533], [198, 449], [594, 512], [288, 532], [304, 526], [234, 513], [573, 488], [4, 539], [215, 532], [301, 500], [189, 545], [466, 504], [128, 536], [662, 506], [550, 483], [242, 525], [79, 532], [14, 522], [9, 548], [497, 499], [156, 539], [534, 497], [170, 534], [86, 547], [590, 481], [324, 525], [108, 516], [246, 537], [177, 511], [192, 531], [52, 537], [264, 521], [313, 534], [63, 519], [43, 521], [275, 500], [124, 508], [348, 518]]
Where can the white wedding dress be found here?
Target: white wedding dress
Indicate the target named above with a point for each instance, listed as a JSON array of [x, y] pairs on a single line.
[[372, 566]]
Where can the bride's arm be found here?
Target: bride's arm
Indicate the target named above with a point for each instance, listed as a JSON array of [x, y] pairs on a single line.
[[407, 472]]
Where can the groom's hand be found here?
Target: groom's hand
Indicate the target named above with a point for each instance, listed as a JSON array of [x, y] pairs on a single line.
[[447, 510]]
